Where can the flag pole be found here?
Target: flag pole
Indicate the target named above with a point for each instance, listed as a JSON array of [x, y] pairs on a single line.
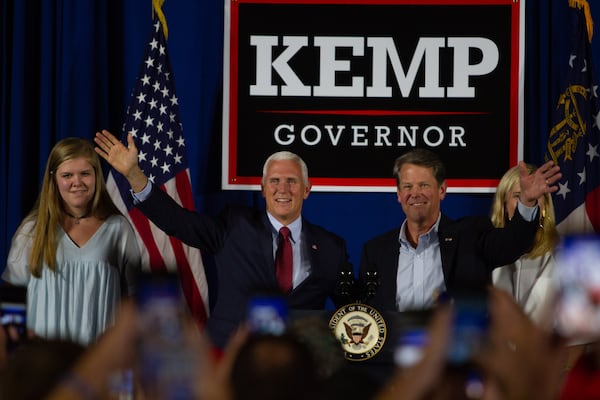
[[588, 15], [157, 8]]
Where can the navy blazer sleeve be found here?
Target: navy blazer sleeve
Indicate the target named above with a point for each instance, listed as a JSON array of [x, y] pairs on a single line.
[[192, 228]]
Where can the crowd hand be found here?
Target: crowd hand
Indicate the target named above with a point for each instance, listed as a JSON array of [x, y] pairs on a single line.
[[420, 380], [9, 333], [540, 182], [114, 351], [121, 158], [214, 381], [520, 360], [3, 346]]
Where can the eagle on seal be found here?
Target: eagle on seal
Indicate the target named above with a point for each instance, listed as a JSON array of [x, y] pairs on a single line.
[[357, 336]]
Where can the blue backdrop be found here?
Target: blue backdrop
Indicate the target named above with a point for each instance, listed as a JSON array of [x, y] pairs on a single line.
[[68, 68]]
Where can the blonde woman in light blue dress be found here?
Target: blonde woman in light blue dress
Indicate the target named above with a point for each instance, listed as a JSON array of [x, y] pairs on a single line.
[[75, 252]]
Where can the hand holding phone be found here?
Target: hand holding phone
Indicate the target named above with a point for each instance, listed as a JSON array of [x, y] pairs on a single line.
[[577, 276], [267, 314], [166, 361], [13, 314], [469, 328]]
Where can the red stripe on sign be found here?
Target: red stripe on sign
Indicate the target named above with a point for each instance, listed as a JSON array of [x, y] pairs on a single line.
[[373, 112]]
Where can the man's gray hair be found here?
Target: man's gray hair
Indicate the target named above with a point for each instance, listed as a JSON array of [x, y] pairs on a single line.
[[286, 155]]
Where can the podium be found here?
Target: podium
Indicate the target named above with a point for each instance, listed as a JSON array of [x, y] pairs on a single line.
[[379, 367]]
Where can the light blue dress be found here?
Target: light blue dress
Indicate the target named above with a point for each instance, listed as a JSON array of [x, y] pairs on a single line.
[[78, 301]]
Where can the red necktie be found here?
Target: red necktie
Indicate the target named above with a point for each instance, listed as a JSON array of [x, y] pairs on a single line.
[[284, 260]]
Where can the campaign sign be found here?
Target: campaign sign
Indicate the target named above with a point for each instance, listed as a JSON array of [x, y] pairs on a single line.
[[351, 85]]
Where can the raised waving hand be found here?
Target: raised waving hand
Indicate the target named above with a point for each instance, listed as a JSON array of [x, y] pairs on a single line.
[[121, 158], [540, 182]]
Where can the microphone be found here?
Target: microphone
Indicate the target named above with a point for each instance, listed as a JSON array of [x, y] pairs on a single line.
[[345, 283], [371, 283]]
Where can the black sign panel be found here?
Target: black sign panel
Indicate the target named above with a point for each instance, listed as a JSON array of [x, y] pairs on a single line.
[[349, 86]]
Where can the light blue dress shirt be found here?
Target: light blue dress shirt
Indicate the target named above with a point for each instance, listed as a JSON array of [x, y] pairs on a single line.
[[420, 278]]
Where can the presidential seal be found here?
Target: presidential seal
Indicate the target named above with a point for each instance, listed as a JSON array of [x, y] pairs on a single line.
[[360, 329]]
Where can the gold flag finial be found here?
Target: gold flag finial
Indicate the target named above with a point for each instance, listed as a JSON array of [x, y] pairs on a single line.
[[157, 8], [588, 15]]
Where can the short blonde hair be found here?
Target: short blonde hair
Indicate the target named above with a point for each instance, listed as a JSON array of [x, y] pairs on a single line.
[[547, 236]]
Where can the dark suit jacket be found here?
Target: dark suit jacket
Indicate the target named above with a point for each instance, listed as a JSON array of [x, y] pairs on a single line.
[[240, 239], [470, 248]]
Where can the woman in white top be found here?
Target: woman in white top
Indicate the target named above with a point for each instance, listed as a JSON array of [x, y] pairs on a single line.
[[75, 252], [529, 279]]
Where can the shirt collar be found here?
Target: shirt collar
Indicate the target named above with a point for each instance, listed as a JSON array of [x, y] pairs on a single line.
[[434, 229], [295, 227]]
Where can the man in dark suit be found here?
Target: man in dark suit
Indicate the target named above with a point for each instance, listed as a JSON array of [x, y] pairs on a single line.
[[244, 241], [429, 253]]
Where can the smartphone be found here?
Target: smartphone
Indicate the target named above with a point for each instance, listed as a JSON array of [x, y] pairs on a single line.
[[166, 363], [13, 314], [577, 278], [267, 315], [470, 327], [410, 347]]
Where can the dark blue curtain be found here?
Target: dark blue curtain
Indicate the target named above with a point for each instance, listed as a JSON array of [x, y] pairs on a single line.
[[67, 68]]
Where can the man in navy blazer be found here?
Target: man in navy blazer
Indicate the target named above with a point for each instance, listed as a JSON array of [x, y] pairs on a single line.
[[243, 240], [431, 254]]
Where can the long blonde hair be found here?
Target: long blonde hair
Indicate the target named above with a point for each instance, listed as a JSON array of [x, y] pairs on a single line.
[[546, 237], [49, 211]]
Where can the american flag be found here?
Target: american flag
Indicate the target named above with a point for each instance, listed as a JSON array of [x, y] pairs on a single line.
[[152, 118], [575, 135]]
